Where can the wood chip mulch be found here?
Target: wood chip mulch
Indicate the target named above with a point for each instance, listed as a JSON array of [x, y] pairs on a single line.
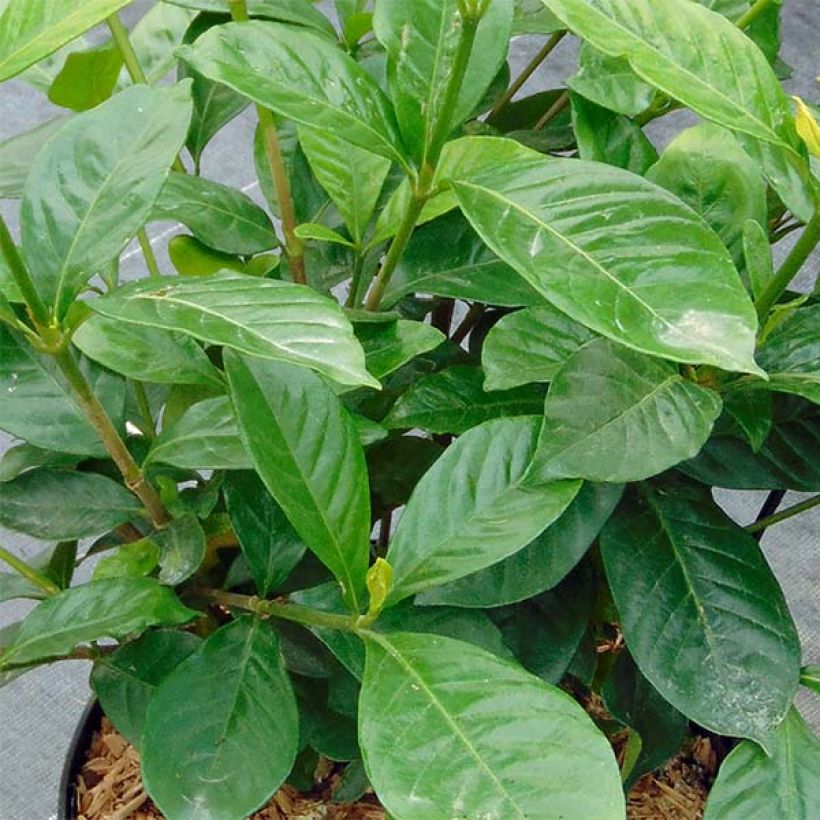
[[110, 788]]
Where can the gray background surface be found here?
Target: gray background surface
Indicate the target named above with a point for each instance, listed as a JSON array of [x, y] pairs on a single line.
[[39, 711]]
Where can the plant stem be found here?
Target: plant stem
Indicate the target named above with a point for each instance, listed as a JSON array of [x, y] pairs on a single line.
[[28, 572], [554, 110], [789, 512], [148, 253], [517, 84], [95, 412], [22, 278], [790, 267], [752, 13], [475, 312], [144, 408], [355, 281]]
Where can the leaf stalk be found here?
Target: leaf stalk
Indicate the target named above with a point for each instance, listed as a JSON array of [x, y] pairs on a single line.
[[783, 515], [28, 572]]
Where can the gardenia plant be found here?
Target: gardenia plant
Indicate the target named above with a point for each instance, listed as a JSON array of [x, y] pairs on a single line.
[[399, 527]]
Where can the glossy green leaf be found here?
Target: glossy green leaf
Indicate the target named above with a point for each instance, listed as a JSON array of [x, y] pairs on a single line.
[[205, 437], [810, 678], [17, 153], [757, 254], [454, 400], [616, 415], [136, 559], [268, 541], [578, 233], [181, 547], [222, 730], [706, 167], [432, 704], [9, 289], [421, 40], [389, 345], [530, 345], [469, 510], [321, 233], [701, 611], [125, 681], [62, 505], [190, 257], [610, 82], [352, 177], [791, 354], [749, 410], [261, 317], [94, 184], [215, 105], [540, 565], [302, 76], [39, 406], [221, 217], [447, 258], [785, 785], [32, 29], [146, 355], [103, 609], [306, 450], [87, 78], [711, 67]]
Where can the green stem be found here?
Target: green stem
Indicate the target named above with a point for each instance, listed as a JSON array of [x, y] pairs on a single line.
[[95, 412], [148, 253], [522, 78], [22, 278], [144, 408], [28, 572], [791, 267], [554, 110], [789, 512], [355, 281], [752, 13]]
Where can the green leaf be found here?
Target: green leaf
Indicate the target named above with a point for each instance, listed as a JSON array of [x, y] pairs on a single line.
[[757, 254], [469, 510], [791, 354], [221, 217], [454, 400], [137, 559], [352, 177], [431, 705], [32, 29], [18, 459], [785, 784], [306, 450], [181, 547], [810, 678], [205, 437], [610, 82], [321, 233], [530, 345], [190, 257], [532, 18], [222, 730], [125, 681], [102, 609], [268, 541], [632, 700], [261, 317], [87, 78], [302, 76], [604, 136], [615, 415], [62, 505], [578, 233], [701, 611], [145, 355], [711, 67], [749, 409], [389, 345], [706, 167], [17, 152], [421, 40], [39, 405], [93, 185], [540, 565], [447, 258]]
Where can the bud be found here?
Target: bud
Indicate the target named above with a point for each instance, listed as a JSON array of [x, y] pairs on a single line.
[[473, 9], [807, 127], [379, 581]]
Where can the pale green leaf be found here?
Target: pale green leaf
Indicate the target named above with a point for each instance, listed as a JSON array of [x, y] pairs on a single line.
[[17, 153]]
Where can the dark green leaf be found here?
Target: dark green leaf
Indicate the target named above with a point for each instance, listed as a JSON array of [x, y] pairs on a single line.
[[150, 355], [61, 505], [749, 410], [125, 681], [268, 541], [539, 566], [454, 400], [306, 449], [181, 549], [396, 465], [616, 415], [469, 510], [103, 609], [701, 611], [431, 705], [221, 217], [222, 730], [87, 78], [389, 345], [22, 457], [578, 232], [810, 678], [17, 152]]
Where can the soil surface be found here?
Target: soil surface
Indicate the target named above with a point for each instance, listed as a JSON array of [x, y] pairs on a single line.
[[109, 788]]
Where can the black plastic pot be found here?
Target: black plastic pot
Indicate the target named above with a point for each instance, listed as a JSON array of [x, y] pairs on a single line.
[[89, 723]]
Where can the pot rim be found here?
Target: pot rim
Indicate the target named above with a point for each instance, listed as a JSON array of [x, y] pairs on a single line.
[[89, 722]]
